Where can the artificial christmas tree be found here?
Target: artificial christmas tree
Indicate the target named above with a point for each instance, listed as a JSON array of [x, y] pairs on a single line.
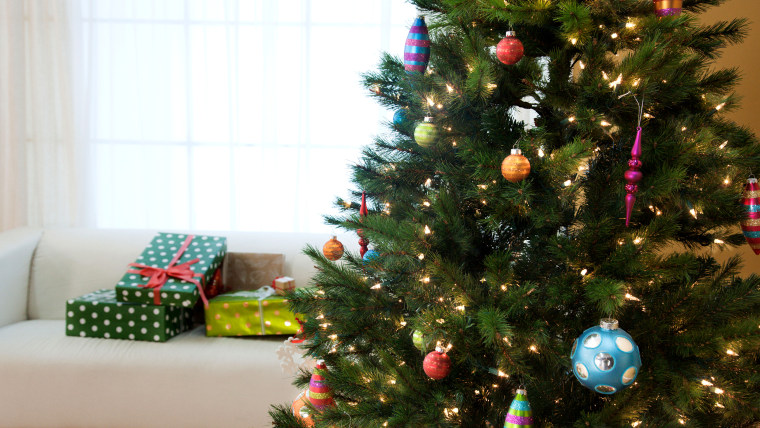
[[506, 275]]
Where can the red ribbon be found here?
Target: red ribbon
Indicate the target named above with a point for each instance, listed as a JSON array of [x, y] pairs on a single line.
[[159, 276]]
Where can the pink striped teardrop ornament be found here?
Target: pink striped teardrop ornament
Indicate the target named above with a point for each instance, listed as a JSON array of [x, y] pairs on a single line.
[[751, 222], [417, 47], [633, 176], [320, 394]]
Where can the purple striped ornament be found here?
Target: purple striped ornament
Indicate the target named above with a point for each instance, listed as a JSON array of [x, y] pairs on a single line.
[[668, 7], [417, 47]]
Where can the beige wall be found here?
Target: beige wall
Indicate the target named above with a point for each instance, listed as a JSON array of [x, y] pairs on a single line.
[[747, 57]]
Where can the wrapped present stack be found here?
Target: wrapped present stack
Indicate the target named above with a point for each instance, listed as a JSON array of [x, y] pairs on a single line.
[[154, 299]]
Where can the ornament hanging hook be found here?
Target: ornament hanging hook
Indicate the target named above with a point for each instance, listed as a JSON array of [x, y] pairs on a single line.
[[641, 108]]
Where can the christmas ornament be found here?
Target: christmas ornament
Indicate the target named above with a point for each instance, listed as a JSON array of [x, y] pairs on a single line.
[[519, 414], [668, 7], [510, 49], [363, 242], [605, 358], [515, 167], [320, 394], [370, 256], [399, 117], [437, 364], [420, 341], [417, 47], [751, 222], [633, 175], [301, 410], [333, 249], [426, 133]]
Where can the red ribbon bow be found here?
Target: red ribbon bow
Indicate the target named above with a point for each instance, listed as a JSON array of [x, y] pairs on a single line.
[[159, 276]]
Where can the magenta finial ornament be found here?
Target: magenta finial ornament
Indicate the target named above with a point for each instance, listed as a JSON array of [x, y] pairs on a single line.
[[633, 175]]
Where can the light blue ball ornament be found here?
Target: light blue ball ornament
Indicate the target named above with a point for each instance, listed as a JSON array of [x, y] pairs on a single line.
[[605, 358], [371, 256]]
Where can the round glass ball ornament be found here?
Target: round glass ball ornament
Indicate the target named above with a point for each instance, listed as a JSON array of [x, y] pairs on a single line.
[[668, 7], [510, 49], [437, 364], [515, 167], [399, 117], [370, 256], [605, 358], [301, 410], [420, 341], [333, 249], [426, 132]]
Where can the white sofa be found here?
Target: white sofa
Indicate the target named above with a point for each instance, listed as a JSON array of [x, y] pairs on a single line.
[[48, 379]]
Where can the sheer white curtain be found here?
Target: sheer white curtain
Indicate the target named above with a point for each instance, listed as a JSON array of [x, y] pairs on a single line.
[[237, 114], [42, 154]]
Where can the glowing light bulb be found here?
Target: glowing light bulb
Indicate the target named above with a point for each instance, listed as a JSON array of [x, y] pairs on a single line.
[[614, 35], [630, 25], [540, 153], [718, 241], [718, 391], [421, 256], [573, 41], [731, 353], [706, 382], [723, 146], [584, 272], [567, 183], [427, 230]]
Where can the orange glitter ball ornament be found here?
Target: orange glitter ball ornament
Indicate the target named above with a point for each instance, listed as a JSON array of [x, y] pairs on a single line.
[[515, 167], [333, 249]]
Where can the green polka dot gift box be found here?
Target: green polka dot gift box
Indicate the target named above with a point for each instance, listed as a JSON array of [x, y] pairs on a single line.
[[172, 270], [250, 313], [99, 314]]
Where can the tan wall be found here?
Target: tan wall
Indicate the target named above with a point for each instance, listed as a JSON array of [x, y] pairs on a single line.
[[747, 57]]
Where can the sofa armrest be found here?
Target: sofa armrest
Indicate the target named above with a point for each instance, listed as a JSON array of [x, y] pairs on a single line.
[[16, 250]]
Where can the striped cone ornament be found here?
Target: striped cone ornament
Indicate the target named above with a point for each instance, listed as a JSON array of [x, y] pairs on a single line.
[[519, 414], [320, 394], [417, 47], [751, 223]]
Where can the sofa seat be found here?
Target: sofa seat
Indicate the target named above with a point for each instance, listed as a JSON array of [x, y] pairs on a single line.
[[48, 379], [87, 382]]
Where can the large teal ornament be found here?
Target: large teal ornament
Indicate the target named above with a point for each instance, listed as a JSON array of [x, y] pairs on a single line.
[[605, 358]]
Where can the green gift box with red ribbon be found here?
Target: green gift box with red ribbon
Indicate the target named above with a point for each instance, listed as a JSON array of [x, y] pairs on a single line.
[[173, 270]]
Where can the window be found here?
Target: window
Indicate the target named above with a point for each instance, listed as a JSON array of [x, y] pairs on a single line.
[[239, 115]]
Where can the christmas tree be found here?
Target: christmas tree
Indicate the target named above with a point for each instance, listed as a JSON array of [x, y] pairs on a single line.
[[501, 241]]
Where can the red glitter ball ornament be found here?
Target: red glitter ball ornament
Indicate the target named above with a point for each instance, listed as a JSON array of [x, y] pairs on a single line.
[[510, 49], [437, 364]]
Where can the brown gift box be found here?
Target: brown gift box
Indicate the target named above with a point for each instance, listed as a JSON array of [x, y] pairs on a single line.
[[249, 271]]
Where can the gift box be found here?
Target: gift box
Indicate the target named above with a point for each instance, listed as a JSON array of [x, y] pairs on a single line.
[[283, 284], [100, 314], [172, 270], [249, 271], [250, 313]]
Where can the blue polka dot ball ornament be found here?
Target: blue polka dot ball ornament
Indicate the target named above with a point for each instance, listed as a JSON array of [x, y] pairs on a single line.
[[370, 256], [399, 117], [605, 358]]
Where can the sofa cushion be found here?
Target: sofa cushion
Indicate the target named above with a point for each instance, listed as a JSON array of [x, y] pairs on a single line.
[[50, 379], [71, 262]]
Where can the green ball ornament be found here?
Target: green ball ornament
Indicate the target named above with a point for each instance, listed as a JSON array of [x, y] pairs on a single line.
[[420, 341], [426, 133]]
